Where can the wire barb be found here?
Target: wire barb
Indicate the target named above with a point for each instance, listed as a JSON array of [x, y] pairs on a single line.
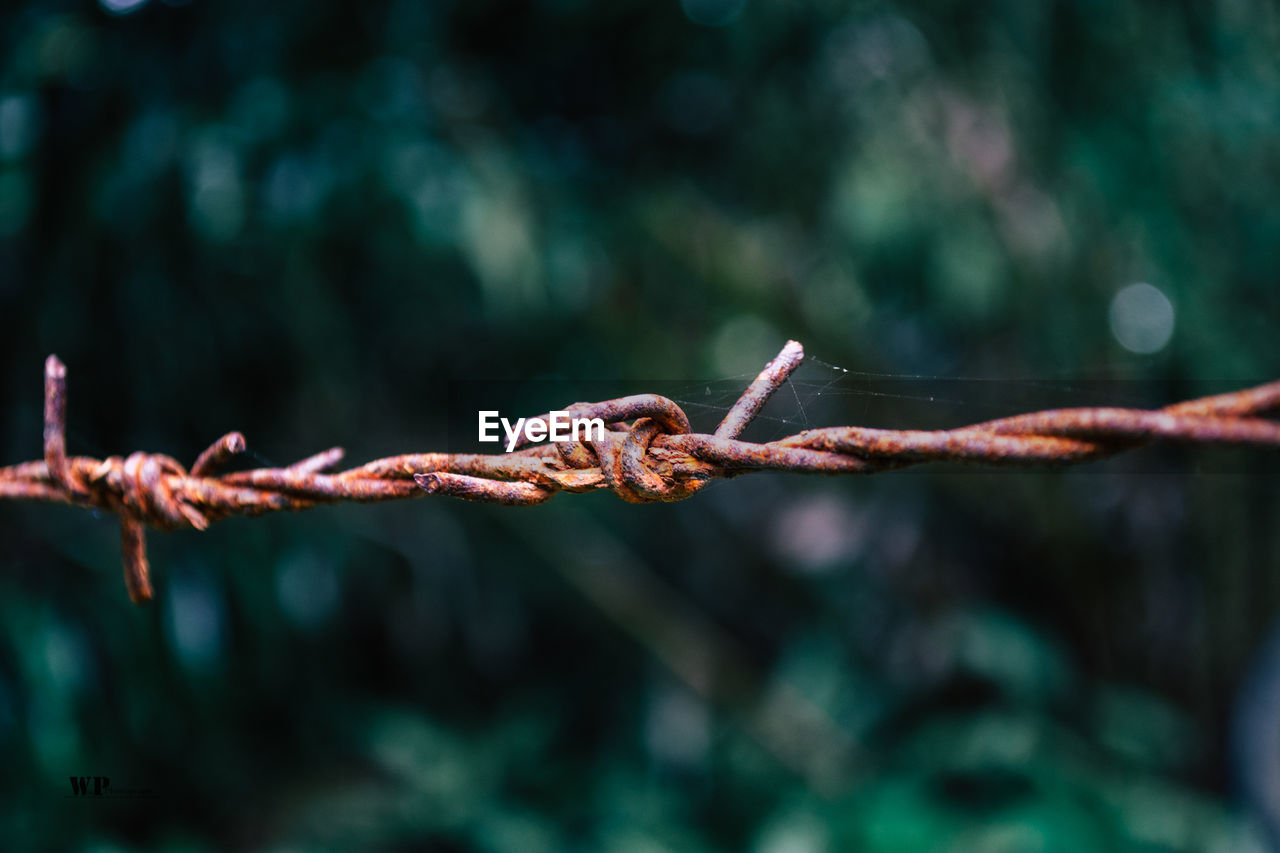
[[647, 454]]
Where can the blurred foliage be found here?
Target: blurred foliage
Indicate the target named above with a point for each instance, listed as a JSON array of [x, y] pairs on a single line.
[[306, 220]]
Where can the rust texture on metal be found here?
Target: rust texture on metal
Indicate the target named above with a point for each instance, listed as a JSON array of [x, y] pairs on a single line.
[[646, 454]]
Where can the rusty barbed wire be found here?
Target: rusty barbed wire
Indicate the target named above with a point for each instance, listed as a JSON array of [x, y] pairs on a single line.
[[647, 453]]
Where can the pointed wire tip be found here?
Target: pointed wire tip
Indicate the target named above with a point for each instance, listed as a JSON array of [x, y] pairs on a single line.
[[760, 390], [139, 595], [137, 571], [427, 482], [54, 368], [218, 454]]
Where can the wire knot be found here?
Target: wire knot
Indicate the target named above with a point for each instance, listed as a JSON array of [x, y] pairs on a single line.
[[140, 486], [622, 455], [139, 489], [634, 474]]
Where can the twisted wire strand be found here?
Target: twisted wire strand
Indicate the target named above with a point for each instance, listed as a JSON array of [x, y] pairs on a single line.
[[648, 453]]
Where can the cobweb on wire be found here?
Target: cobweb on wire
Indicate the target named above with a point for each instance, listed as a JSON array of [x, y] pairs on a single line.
[[820, 393], [816, 395]]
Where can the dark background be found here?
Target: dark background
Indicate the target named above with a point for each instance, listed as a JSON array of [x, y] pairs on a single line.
[[316, 222]]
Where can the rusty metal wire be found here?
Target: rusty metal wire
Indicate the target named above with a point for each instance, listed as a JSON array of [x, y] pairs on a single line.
[[648, 453]]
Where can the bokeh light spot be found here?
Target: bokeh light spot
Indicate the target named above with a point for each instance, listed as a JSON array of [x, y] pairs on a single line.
[[307, 589], [819, 534], [217, 197], [195, 621], [678, 728], [66, 656], [122, 7], [293, 189], [18, 125], [1142, 318], [742, 343]]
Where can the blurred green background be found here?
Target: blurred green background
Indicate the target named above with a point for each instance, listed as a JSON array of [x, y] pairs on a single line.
[[309, 221]]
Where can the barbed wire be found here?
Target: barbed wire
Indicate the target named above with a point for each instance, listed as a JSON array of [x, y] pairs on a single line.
[[647, 453]]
